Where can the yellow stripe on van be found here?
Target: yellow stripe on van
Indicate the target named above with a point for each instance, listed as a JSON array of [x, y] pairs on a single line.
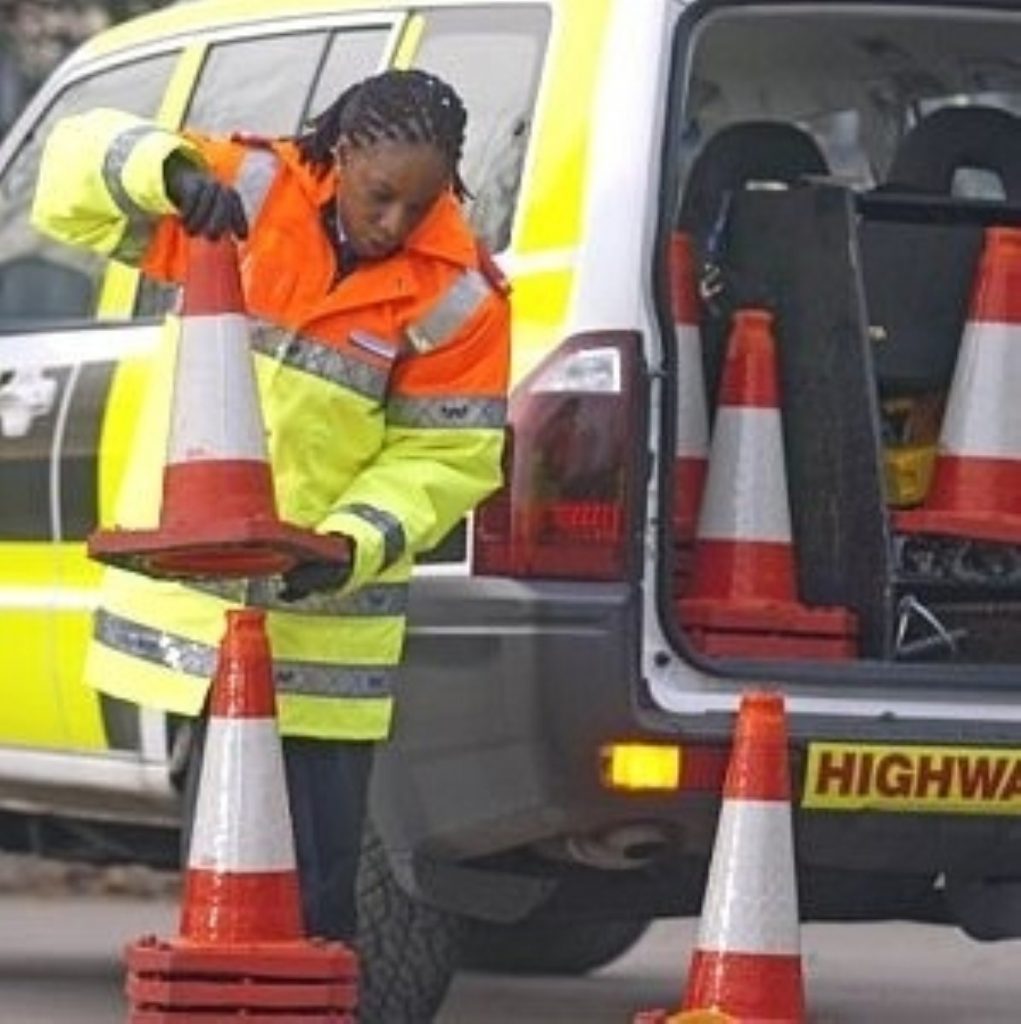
[[538, 311], [954, 780], [553, 219], [407, 47]]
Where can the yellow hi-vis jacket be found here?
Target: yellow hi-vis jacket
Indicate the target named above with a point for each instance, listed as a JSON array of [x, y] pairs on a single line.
[[384, 398]]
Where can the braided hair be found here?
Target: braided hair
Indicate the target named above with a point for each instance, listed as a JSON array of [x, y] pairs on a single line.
[[402, 106]]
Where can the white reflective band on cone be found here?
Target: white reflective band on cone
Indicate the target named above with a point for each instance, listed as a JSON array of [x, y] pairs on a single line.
[[983, 416], [751, 896], [216, 414], [746, 491], [692, 419], [242, 782]]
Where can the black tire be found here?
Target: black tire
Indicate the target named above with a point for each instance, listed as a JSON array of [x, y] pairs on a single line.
[[547, 947], [988, 910], [407, 950]]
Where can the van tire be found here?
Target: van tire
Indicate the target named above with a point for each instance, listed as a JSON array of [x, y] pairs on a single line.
[[407, 949], [536, 946], [987, 910]]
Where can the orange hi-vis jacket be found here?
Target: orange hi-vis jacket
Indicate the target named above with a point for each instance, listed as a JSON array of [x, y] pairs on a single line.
[[384, 397]]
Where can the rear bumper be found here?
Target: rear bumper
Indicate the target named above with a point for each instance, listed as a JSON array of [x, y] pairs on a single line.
[[509, 691]]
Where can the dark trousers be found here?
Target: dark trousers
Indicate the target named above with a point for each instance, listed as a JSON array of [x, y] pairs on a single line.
[[328, 785]]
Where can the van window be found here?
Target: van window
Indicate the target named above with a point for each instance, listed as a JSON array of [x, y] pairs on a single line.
[[257, 85], [42, 280], [352, 55], [263, 84], [493, 57]]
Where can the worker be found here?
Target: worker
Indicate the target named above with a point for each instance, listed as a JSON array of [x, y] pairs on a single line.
[[381, 334]]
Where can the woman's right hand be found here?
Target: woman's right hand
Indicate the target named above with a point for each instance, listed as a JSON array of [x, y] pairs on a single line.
[[206, 206]]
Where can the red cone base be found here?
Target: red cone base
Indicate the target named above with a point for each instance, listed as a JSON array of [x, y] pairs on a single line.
[[307, 982], [769, 630], [220, 549]]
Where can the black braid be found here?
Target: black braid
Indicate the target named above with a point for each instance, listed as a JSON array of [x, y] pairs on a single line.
[[403, 106]]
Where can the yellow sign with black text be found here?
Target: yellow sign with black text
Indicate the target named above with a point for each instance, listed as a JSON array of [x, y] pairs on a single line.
[[947, 780]]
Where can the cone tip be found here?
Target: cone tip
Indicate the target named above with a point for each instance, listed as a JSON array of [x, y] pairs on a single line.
[[758, 768], [753, 316], [212, 282], [245, 618], [761, 713], [243, 682]]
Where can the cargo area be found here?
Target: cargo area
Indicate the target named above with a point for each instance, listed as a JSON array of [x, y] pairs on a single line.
[[845, 277]]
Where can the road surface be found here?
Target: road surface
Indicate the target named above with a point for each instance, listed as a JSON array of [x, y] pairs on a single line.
[[60, 964]]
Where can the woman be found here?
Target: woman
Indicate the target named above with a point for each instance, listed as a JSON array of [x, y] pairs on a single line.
[[381, 335]]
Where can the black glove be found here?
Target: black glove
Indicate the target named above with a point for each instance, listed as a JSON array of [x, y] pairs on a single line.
[[312, 577], [207, 207]]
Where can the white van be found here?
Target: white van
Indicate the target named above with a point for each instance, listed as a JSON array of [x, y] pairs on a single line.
[[578, 647]]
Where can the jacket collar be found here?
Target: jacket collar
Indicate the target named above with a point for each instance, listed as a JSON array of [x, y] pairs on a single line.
[[443, 233]]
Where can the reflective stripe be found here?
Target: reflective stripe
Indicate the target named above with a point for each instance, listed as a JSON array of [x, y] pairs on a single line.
[[318, 679], [149, 644], [446, 411], [450, 314], [376, 600], [394, 541], [255, 176], [377, 346], [319, 359], [296, 678], [139, 227]]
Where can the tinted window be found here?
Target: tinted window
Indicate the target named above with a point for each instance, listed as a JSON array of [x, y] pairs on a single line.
[[43, 280], [264, 84], [493, 57], [353, 55], [259, 85]]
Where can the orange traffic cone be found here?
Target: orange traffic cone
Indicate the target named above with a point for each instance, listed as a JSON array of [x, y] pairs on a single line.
[[218, 517], [692, 448], [241, 952], [747, 961], [742, 600], [976, 488], [241, 883]]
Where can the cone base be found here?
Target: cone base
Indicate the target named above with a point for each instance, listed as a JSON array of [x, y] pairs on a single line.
[[759, 987], [769, 630], [177, 980], [149, 1015], [221, 550], [683, 1017], [989, 526]]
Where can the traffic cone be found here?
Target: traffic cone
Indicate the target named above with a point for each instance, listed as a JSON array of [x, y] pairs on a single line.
[[241, 951], [747, 961], [218, 516], [692, 447], [976, 487], [241, 883], [742, 600]]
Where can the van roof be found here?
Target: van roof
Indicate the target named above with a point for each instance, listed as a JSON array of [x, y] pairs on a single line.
[[187, 17]]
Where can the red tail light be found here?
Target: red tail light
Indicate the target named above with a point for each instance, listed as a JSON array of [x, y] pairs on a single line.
[[566, 510]]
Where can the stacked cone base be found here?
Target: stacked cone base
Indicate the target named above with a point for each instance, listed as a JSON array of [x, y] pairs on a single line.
[[995, 527], [305, 982], [769, 629]]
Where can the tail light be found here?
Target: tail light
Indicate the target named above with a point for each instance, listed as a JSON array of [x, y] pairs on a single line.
[[567, 509]]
